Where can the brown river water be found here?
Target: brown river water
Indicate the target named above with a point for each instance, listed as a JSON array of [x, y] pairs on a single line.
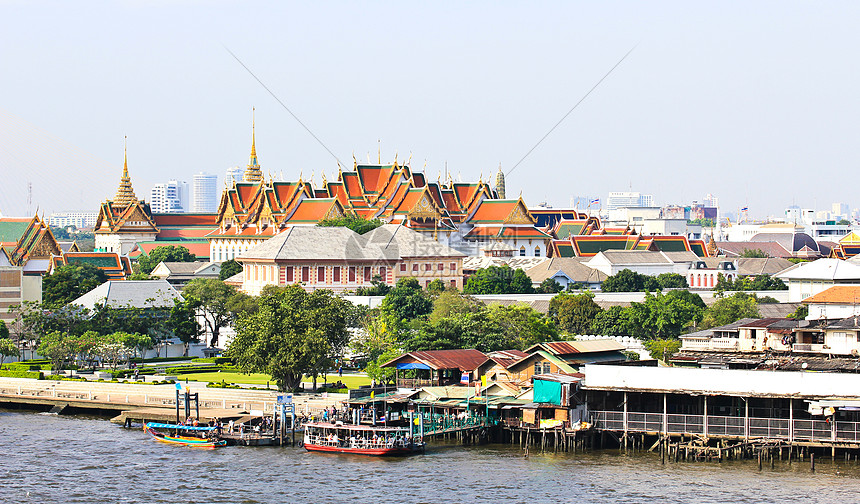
[[50, 459]]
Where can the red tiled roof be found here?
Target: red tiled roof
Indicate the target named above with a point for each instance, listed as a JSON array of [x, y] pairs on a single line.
[[838, 294], [184, 219]]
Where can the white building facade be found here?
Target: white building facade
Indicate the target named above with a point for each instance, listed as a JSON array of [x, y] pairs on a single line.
[[205, 193]]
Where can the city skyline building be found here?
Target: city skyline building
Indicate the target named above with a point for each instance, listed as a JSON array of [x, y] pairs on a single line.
[[628, 199], [205, 193], [170, 197], [234, 174], [78, 219]]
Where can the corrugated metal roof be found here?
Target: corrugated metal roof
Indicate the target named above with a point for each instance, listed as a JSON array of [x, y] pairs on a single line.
[[464, 360]]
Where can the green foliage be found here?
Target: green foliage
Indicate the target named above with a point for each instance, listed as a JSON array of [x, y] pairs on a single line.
[[672, 281], [4, 329], [573, 314], [756, 283], [57, 347], [663, 349], [358, 224], [659, 316], [753, 253], [630, 281], [630, 355], [69, 282], [800, 313], [377, 288], [521, 326], [215, 301], [550, 286], [141, 276], [436, 287], [7, 349], [212, 360], [18, 373], [406, 300], [164, 253], [730, 309], [382, 375], [229, 268], [451, 303], [615, 321], [499, 280], [291, 334], [701, 222], [843, 222]]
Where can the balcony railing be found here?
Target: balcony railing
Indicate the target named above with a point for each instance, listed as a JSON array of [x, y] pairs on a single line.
[[751, 427]]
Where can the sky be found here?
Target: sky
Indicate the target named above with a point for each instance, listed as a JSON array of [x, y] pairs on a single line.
[[753, 102]]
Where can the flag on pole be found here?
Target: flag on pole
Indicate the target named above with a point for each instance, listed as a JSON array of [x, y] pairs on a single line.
[[595, 201], [464, 379], [744, 209]]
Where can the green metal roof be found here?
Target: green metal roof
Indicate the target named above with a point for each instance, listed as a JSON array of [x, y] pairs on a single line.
[[12, 231]]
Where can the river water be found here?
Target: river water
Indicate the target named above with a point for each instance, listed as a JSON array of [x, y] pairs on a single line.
[[55, 459]]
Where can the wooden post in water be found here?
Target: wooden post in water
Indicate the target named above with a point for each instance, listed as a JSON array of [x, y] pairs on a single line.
[[812, 461]]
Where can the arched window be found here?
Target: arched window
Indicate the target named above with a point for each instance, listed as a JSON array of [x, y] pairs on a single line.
[[523, 251], [537, 251]]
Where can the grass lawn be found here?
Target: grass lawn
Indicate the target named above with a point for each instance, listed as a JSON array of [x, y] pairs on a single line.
[[351, 381]]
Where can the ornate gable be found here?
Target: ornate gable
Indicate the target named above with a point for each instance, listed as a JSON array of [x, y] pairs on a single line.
[[520, 215], [424, 208]]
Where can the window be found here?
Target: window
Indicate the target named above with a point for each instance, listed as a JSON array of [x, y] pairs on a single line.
[[403, 267], [538, 368], [321, 274], [415, 268], [427, 266], [367, 273], [537, 251], [453, 267], [289, 274], [453, 284], [441, 267], [335, 274], [306, 273], [382, 273], [352, 274], [522, 251], [256, 272], [546, 368]]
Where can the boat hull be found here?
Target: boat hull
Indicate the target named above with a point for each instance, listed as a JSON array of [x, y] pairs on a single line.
[[373, 452], [185, 441]]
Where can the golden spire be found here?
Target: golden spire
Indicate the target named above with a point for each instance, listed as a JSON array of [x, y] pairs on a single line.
[[324, 181], [500, 183], [125, 193], [253, 173], [379, 151]]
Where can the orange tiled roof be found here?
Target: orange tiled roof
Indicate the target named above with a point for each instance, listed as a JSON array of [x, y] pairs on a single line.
[[838, 294]]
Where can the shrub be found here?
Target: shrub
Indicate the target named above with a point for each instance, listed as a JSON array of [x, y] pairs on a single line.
[[212, 360], [20, 373]]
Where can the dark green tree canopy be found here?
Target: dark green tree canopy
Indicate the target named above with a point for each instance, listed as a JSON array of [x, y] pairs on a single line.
[[731, 309], [69, 282], [574, 313], [630, 281], [229, 268], [293, 333], [407, 300], [165, 253], [358, 224], [212, 299], [499, 280], [550, 286]]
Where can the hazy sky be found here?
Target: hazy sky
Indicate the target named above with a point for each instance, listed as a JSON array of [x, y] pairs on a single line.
[[755, 102]]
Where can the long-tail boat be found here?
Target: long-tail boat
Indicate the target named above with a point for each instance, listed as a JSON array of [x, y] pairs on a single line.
[[207, 441]]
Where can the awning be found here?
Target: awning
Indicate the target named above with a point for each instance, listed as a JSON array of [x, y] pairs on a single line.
[[412, 365]]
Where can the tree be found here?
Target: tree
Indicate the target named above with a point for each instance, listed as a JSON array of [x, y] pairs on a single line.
[[407, 300], [615, 321], [550, 286], [800, 313], [753, 253], [377, 288], [164, 253], [436, 287], [521, 326], [383, 375], [229, 268], [574, 314], [730, 309], [358, 224], [211, 298], [630, 281], [291, 334], [663, 349], [69, 282], [7, 349], [660, 316], [182, 322], [672, 281], [4, 330], [499, 280], [451, 303], [843, 222], [57, 347]]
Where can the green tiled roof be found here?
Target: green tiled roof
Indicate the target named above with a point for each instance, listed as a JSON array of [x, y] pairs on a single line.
[[98, 261], [12, 231]]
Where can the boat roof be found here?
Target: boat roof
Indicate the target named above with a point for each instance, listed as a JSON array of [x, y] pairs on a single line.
[[353, 427]]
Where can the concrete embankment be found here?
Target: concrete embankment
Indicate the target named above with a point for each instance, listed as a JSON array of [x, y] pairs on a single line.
[[135, 403]]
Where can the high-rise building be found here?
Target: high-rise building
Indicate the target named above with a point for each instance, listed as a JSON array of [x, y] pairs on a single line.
[[205, 190], [78, 219], [234, 174], [171, 197], [628, 199]]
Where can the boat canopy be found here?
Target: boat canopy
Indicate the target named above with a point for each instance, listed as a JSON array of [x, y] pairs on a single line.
[[180, 427]]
